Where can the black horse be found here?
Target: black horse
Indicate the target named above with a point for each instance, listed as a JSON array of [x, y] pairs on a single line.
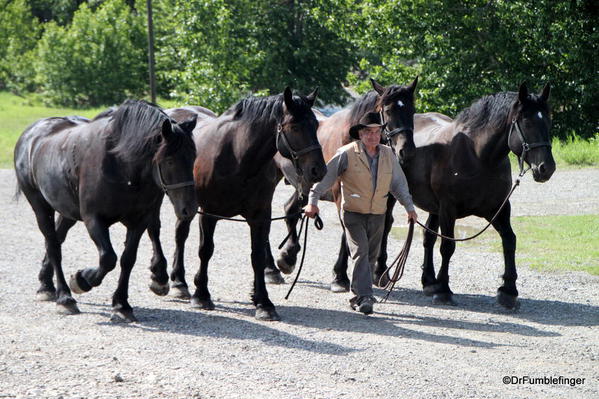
[[461, 168], [115, 168], [396, 103], [235, 174]]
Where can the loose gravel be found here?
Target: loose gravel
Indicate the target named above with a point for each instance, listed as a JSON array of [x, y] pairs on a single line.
[[321, 349]]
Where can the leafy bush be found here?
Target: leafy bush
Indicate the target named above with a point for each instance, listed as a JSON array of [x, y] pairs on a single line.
[[99, 59]]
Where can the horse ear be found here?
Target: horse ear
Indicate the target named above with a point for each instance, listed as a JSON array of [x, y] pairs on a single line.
[[412, 86], [288, 97], [312, 97], [377, 87], [523, 92], [545, 92], [188, 125], [167, 129]]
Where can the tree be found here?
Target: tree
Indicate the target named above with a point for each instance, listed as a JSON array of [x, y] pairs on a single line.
[[99, 59]]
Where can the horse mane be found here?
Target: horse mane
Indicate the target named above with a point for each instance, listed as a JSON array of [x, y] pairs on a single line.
[[487, 112], [372, 102], [136, 130], [265, 109], [105, 114]]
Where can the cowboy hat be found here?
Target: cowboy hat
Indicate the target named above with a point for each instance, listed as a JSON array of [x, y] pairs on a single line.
[[371, 119]]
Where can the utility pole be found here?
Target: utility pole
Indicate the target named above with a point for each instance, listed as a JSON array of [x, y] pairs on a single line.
[[151, 52]]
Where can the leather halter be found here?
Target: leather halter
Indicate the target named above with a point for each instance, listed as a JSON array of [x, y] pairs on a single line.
[[295, 155], [526, 147], [166, 187], [389, 134]]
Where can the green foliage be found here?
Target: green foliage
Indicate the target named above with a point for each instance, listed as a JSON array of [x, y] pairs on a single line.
[[577, 151], [98, 59], [19, 33], [225, 49], [465, 50]]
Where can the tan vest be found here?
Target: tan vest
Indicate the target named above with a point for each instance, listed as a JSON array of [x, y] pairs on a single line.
[[356, 181]]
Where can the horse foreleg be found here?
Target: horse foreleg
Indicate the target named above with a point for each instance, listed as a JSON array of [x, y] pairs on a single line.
[[272, 275], [443, 294], [121, 309], [429, 281], [159, 276], [84, 280], [47, 292], [265, 310], [179, 285], [201, 297], [288, 255], [507, 294], [381, 264]]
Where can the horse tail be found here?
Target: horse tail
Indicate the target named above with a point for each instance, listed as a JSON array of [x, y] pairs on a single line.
[[18, 193]]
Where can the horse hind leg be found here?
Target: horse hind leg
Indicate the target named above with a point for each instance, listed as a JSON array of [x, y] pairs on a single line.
[[44, 215], [340, 281], [379, 277], [47, 291]]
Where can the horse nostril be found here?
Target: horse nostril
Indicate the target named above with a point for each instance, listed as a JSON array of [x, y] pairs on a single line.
[[542, 168]]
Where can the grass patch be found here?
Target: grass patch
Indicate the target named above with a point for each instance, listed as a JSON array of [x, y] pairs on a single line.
[[576, 151], [16, 113], [547, 243]]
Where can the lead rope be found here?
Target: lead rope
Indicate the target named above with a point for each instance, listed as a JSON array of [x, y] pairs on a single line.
[[318, 223], [400, 261]]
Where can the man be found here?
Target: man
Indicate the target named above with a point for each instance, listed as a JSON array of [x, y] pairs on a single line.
[[368, 172]]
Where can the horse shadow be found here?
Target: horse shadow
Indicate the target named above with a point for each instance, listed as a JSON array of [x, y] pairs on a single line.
[[541, 311]]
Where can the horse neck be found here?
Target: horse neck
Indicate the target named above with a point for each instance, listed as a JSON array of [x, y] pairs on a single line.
[[258, 147], [491, 145]]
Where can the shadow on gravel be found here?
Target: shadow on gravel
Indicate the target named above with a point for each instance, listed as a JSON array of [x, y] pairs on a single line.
[[215, 324], [548, 312]]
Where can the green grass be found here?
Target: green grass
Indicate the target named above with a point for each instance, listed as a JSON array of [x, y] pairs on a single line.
[[548, 243], [576, 151], [16, 113]]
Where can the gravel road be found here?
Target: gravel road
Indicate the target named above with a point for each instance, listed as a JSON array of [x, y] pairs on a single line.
[[321, 349]]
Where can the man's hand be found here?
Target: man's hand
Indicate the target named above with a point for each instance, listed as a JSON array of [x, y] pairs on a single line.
[[311, 211], [412, 216]]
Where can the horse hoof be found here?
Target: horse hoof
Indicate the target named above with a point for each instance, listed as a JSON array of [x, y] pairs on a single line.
[[159, 289], [340, 286], [285, 266], [78, 285], [123, 316], [205, 304], [430, 290], [274, 278], [67, 306], [180, 292], [509, 302], [267, 314], [45, 296], [444, 298]]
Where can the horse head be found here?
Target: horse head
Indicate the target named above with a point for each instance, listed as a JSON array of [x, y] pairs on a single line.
[[296, 136], [174, 166], [396, 105], [528, 138]]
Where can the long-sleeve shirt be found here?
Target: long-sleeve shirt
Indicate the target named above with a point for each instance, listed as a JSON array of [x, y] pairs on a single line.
[[338, 165]]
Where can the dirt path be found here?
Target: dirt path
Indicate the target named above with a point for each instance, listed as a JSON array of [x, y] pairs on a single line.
[[321, 349]]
